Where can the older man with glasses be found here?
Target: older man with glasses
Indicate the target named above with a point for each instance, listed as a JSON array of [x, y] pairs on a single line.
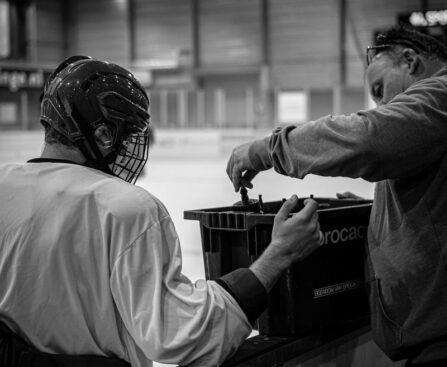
[[402, 146]]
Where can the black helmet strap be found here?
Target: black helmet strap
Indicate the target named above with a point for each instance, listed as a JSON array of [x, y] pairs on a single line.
[[82, 135]]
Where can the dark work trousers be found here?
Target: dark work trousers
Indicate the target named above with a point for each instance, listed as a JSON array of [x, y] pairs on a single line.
[[16, 352]]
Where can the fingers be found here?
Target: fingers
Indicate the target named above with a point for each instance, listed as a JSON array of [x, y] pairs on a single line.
[[286, 208], [315, 224], [239, 180], [245, 181], [233, 173], [321, 239], [239, 168], [236, 178], [314, 216], [348, 195], [341, 195], [310, 208], [308, 212], [319, 235], [308, 216]]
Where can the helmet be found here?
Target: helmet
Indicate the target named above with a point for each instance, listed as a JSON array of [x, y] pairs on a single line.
[[83, 94]]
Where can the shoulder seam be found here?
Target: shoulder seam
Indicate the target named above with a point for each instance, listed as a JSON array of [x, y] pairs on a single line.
[[121, 254]]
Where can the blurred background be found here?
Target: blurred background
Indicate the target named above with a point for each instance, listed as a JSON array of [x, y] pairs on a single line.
[[218, 73]]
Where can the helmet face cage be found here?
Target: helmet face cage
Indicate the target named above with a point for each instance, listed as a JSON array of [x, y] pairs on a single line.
[[131, 157], [131, 140]]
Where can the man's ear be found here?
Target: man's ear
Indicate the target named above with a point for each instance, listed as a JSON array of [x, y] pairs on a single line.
[[412, 60], [104, 137]]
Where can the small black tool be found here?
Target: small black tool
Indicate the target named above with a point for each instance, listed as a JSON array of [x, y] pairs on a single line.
[[244, 196], [261, 204], [246, 204]]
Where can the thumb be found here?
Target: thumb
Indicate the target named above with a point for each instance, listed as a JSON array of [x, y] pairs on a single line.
[[248, 177], [250, 174], [286, 208]]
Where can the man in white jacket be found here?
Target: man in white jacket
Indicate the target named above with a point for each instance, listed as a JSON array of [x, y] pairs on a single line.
[[91, 264]]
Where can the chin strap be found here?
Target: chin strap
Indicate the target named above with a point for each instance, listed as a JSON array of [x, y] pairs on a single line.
[[85, 141]]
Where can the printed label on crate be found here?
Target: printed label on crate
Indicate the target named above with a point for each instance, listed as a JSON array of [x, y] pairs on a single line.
[[337, 288], [338, 235]]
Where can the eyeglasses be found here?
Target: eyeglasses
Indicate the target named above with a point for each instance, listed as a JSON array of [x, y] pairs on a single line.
[[372, 51]]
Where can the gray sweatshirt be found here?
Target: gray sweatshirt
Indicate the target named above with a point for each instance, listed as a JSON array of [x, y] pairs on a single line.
[[403, 147]]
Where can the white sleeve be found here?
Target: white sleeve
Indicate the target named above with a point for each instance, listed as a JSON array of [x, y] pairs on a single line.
[[170, 319]]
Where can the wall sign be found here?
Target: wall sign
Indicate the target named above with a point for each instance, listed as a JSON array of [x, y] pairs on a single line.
[[429, 18], [14, 79]]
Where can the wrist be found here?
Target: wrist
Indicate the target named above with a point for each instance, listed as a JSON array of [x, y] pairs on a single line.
[[276, 254], [270, 265], [258, 155]]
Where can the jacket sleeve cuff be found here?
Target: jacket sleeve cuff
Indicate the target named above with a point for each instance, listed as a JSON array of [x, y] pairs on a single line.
[[247, 290], [259, 155]]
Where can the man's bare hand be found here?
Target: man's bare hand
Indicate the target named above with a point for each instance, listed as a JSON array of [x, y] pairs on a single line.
[[297, 236], [239, 169], [293, 238], [348, 195]]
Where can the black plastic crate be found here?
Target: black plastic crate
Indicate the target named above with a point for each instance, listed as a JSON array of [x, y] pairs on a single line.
[[324, 290]]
